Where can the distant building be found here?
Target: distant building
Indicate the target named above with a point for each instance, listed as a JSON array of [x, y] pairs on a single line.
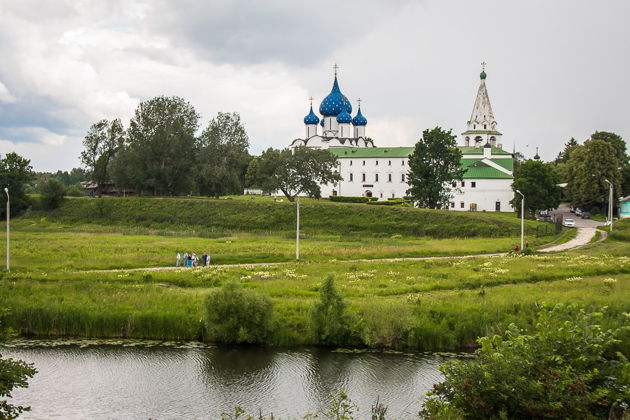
[[91, 189], [624, 207], [382, 171]]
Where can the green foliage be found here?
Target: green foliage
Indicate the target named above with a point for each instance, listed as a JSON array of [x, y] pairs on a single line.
[[344, 199], [74, 191], [52, 194], [617, 142], [538, 182], [564, 155], [159, 154], [238, 315], [328, 320], [568, 367], [433, 167], [223, 156], [15, 173], [588, 167], [391, 202], [295, 171], [13, 374], [386, 325], [101, 143]]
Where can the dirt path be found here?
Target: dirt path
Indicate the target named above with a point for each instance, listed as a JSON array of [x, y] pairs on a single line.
[[583, 237]]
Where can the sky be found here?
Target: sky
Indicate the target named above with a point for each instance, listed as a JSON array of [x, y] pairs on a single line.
[[556, 69]]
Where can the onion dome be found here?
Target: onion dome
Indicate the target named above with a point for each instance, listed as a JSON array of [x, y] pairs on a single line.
[[483, 75], [311, 118], [359, 119], [537, 156], [344, 117], [335, 102], [487, 146]]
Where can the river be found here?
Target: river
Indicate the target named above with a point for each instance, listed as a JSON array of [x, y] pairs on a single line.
[[131, 381]]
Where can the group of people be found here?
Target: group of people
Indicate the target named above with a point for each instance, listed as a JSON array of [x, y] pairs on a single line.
[[190, 259]]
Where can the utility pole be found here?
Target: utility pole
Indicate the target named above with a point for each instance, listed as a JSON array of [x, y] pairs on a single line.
[[610, 204], [522, 218], [297, 229], [6, 190]]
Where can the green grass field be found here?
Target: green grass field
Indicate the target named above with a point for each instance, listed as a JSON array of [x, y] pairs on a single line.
[[434, 304]]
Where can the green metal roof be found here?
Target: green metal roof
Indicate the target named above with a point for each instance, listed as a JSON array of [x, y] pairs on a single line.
[[371, 152], [471, 150], [476, 168]]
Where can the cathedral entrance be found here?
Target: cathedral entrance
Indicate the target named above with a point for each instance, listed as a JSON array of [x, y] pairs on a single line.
[[367, 193]]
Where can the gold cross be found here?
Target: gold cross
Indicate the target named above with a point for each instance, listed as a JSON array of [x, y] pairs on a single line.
[[483, 66], [335, 68]]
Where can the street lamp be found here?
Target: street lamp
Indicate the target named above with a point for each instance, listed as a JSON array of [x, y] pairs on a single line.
[[522, 218], [6, 190], [297, 229], [610, 204]]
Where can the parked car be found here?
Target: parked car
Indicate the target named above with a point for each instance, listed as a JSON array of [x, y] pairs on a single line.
[[586, 215], [545, 218], [569, 223], [578, 211]]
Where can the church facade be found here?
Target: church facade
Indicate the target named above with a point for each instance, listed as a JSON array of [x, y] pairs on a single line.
[[381, 172]]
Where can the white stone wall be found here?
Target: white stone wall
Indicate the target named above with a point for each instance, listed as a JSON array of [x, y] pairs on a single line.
[[485, 193]]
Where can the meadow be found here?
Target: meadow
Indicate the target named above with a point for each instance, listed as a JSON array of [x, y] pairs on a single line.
[[429, 304]]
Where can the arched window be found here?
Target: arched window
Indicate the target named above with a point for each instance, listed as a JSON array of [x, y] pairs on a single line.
[[478, 140], [467, 140]]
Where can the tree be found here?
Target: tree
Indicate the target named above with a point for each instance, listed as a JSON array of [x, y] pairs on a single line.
[[329, 322], [564, 155], [13, 374], [159, 155], [616, 141], [296, 171], [588, 167], [101, 143], [15, 173], [568, 367], [53, 193], [434, 166], [223, 157], [538, 181]]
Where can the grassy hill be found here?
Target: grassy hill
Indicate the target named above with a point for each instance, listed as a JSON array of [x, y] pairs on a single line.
[[215, 218]]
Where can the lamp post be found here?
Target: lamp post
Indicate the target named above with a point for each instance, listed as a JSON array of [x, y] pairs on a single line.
[[297, 229], [522, 218], [610, 204], [6, 190]]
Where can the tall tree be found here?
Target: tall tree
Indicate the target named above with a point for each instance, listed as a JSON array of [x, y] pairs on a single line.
[[564, 155], [223, 156], [588, 167], [538, 182], [159, 156], [15, 173], [616, 141], [434, 166], [101, 143], [296, 171]]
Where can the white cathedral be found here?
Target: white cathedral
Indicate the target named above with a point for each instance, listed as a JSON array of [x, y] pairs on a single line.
[[381, 172]]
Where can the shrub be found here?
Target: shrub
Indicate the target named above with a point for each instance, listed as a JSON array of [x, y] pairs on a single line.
[[569, 367], [386, 325], [329, 322], [343, 199], [238, 315], [74, 191], [53, 193]]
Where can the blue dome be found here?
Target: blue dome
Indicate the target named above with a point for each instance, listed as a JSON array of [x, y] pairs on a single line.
[[359, 119], [335, 102], [311, 118], [344, 117]]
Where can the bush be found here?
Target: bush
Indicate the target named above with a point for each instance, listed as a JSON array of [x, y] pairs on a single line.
[[386, 325], [343, 199], [74, 191], [238, 315], [329, 322], [569, 367], [53, 193]]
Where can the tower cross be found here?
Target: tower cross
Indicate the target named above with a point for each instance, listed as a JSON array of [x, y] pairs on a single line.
[[335, 68], [359, 102], [311, 100], [483, 66]]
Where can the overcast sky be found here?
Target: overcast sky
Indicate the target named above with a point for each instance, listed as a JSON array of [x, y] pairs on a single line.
[[556, 69]]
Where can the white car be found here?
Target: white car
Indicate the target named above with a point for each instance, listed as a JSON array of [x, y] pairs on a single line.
[[569, 223]]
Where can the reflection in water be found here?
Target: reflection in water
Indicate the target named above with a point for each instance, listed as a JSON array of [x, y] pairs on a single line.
[[168, 383]]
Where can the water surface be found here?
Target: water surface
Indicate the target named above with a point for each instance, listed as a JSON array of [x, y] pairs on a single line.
[[120, 382]]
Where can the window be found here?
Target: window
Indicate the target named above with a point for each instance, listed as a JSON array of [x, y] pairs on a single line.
[[350, 163], [403, 162], [363, 163], [363, 177], [473, 184], [389, 177], [484, 126], [497, 206], [452, 204], [454, 184], [461, 204], [381, 195], [389, 163], [463, 184], [402, 177], [393, 195], [350, 177], [474, 126], [375, 177], [377, 163]]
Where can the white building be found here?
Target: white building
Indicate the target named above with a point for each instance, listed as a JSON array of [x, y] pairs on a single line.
[[382, 171]]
